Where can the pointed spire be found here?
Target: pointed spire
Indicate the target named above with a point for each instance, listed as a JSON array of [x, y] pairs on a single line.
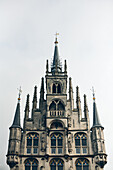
[[35, 98], [47, 67], [41, 94], [65, 66], [70, 89], [42, 88], [56, 65], [16, 121], [96, 121], [27, 108], [78, 103], [85, 108]]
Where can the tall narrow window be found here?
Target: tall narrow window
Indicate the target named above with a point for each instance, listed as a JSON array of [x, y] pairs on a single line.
[[57, 164], [81, 143], [82, 164], [53, 165], [79, 165], [34, 165], [56, 88], [53, 144], [28, 165], [56, 143], [60, 143]]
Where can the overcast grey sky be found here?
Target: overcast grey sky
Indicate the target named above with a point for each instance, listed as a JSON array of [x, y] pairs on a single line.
[[27, 31]]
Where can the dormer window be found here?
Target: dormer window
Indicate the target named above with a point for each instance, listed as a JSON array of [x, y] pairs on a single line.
[[56, 88]]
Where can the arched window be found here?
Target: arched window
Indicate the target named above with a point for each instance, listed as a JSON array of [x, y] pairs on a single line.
[[56, 125], [81, 143], [56, 108], [56, 88], [57, 164], [32, 143], [82, 164], [31, 164], [56, 143]]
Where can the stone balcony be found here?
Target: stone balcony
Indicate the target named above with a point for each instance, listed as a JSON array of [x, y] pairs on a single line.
[[57, 113]]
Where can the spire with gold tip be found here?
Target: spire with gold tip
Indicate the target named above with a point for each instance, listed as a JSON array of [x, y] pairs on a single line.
[[96, 121], [16, 121], [56, 64]]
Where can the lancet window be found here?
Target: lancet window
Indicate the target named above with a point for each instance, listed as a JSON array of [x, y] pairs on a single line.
[[81, 143], [82, 164], [56, 88], [31, 164], [32, 143], [56, 164], [56, 143]]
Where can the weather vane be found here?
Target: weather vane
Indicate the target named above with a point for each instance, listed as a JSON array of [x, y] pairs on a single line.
[[93, 91], [56, 37], [20, 91]]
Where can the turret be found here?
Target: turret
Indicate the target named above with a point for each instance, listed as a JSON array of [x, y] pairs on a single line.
[[86, 112], [15, 138], [78, 103], [41, 94], [97, 136]]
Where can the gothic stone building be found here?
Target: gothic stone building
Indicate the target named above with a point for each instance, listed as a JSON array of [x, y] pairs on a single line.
[[56, 137]]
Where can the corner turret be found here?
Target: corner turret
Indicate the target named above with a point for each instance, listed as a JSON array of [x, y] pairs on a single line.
[[15, 138], [97, 137]]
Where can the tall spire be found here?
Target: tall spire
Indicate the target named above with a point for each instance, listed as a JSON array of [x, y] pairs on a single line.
[[56, 65], [70, 89], [35, 98], [78, 103], [27, 108], [16, 121], [42, 89], [41, 94], [96, 121], [86, 115]]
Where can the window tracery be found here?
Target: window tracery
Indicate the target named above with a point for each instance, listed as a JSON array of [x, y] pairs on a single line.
[[82, 164], [31, 164], [32, 143], [81, 143], [56, 143], [56, 88], [57, 164], [56, 108]]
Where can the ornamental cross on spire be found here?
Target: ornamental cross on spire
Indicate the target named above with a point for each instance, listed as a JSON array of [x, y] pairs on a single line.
[[20, 92]]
